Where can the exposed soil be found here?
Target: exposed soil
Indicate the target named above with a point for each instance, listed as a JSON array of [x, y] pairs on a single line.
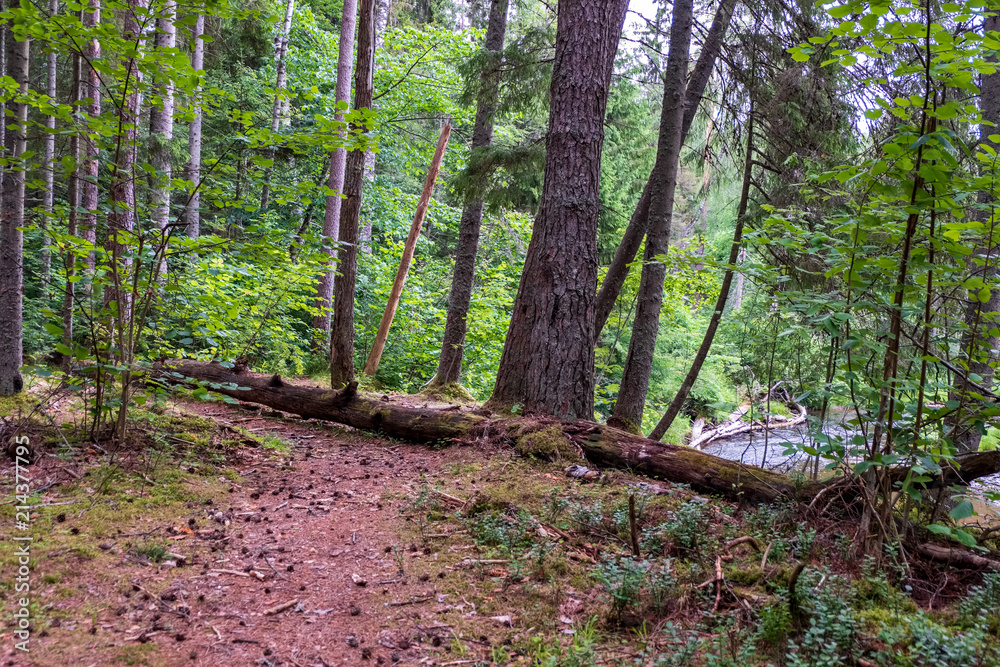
[[238, 535], [320, 533]]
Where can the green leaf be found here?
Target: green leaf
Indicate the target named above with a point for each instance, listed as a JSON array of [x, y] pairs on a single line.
[[938, 529], [964, 537], [962, 511]]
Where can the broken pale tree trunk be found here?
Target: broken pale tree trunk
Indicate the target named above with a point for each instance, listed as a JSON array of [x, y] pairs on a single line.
[[599, 444], [411, 245]]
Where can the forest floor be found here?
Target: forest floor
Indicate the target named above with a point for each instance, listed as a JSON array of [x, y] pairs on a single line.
[[235, 535]]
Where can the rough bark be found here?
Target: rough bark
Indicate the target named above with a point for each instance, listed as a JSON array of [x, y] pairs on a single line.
[[280, 79], [371, 366], [614, 279], [600, 444], [331, 217], [547, 364], [88, 222], [161, 130], [627, 413], [192, 210], [342, 329], [453, 343], [720, 305], [980, 318], [11, 221], [48, 169]]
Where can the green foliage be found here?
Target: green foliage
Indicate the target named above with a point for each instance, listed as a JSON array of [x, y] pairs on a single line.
[[623, 578], [831, 637], [686, 526], [510, 535]]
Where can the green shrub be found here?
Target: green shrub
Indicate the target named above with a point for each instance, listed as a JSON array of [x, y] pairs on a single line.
[[623, 578]]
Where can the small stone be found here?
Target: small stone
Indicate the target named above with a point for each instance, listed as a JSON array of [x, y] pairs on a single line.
[[355, 611], [352, 641]]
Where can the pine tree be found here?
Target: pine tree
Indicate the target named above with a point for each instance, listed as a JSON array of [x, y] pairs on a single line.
[[547, 365], [453, 344], [11, 222], [628, 409]]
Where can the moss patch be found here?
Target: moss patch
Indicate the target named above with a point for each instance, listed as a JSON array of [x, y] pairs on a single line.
[[547, 444]]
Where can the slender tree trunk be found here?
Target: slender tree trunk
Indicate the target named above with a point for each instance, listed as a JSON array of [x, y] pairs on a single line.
[[738, 293], [121, 193], [453, 344], [192, 211], [48, 196], [338, 160], [981, 318], [371, 366], [73, 197], [3, 68], [547, 365], [281, 69], [342, 330], [161, 126], [627, 413], [11, 221], [636, 230], [382, 10], [735, 252], [88, 223]]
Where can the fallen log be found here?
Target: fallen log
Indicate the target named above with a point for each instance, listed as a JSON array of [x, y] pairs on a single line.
[[598, 443]]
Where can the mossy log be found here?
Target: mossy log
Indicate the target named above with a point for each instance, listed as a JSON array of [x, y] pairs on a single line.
[[598, 443]]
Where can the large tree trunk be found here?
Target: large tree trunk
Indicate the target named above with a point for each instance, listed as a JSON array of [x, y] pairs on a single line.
[[453, 344], [338, 160], [980, 318], [92, 53], [547, 365], [614, 279], [342, 329], [161, 130], [278, 109], [599, 444], [627, 413], [11, 222], [192, 211]]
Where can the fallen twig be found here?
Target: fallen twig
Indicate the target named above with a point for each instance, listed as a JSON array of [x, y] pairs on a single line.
[[281, 607], [746, 539], [406, 602]]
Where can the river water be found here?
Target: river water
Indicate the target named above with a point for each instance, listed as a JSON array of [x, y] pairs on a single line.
[[767, 449], [754, 449]]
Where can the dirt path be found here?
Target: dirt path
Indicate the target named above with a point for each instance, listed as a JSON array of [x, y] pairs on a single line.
[[319, 536]]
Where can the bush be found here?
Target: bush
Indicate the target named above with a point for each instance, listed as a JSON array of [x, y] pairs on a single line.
[[623, 578]]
